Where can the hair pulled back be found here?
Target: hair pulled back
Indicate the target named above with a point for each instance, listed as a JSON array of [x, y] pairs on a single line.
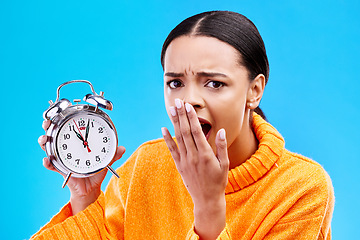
[[232, 28]]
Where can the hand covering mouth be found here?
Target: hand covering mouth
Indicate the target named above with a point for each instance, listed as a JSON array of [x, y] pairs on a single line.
[[206, 127]]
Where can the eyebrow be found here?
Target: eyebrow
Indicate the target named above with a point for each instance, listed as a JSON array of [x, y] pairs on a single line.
[[201, 74], [172, 74], [211, 74]]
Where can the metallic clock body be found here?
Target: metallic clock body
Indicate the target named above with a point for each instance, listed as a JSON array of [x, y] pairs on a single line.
[[61, 112], [58, 122]]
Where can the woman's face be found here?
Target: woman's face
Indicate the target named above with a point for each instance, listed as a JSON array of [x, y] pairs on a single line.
[[205, 72]]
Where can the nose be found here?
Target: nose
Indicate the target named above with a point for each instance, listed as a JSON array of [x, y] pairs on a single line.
[[193, 96]]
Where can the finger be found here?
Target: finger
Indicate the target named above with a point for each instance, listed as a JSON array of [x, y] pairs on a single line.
[[178, 136], [170, 143], [221, 149], [46, 124], [196, 130], [119, 153], [42, 140], [47, 164], [184, 127]]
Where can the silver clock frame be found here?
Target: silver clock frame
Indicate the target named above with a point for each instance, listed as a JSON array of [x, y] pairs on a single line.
[[60, 112]]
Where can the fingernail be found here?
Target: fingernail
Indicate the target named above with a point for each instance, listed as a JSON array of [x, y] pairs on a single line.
[[187, 107], [222, 134], [172, 111], [163, 131], [178, 103]]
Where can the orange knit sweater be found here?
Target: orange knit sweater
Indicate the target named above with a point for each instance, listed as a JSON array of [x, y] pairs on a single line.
[[275, 194]]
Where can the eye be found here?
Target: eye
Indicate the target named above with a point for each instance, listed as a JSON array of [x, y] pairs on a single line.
[[215, 84], [173, 84]]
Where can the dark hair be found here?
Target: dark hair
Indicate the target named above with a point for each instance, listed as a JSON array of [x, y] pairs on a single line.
[[232, 28]]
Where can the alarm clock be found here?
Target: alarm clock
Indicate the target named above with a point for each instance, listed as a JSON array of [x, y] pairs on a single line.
[[82, 139]]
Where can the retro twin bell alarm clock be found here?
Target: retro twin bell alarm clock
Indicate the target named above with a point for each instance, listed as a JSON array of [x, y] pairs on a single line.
[[82, 139]]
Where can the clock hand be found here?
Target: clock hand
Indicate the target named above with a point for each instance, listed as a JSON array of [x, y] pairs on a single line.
[[87, 131], [78, 135], [84, 142]]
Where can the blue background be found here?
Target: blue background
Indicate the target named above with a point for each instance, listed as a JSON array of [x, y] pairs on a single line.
[[312, 97]]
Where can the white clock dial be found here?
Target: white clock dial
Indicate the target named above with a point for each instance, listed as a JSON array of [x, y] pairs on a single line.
[[86, 143]]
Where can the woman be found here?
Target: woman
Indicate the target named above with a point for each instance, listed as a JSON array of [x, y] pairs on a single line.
[[227, 176]]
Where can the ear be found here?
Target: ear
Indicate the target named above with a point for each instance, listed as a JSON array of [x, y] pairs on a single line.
[[255, 92]]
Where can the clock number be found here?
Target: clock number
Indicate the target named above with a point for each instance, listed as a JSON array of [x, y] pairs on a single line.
[[66, 136], [105, 140], [101, 130], [69, 156], [77, 161], [81, 123], [97, 158], [64, 146], [103, 150], [92, 124], [87, 162]]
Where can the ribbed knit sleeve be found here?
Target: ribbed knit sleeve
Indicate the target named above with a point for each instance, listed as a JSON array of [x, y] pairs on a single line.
[[87, 224]]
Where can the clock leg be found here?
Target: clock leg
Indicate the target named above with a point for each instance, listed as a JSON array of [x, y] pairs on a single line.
[[66, 179], [112, 171]]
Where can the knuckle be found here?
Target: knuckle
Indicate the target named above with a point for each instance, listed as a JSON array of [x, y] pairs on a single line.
[[196, 131], [222, 144], [175, 120], [192, 116], [190, 155], [178, 137], [181, 111], [205, 156], [185, 131], [195, 162], [172, 148], [192, 159]]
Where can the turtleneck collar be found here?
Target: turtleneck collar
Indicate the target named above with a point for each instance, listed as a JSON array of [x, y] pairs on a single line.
[[271, 146]]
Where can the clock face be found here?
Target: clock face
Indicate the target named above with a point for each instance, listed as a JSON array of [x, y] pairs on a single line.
[[86, 143]]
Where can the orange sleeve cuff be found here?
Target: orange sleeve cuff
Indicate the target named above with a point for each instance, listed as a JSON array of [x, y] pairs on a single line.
[[89, 222], [224, 235]]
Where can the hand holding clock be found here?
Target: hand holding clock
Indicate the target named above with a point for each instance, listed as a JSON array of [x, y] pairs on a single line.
[[84, 191]]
